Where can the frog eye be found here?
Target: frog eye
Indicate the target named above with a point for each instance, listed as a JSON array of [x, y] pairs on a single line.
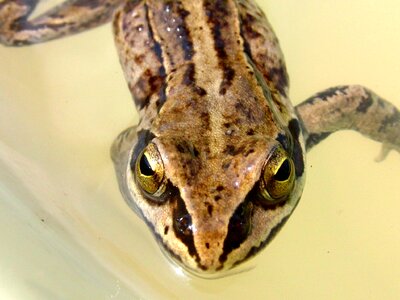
[[278, 175], [149, 170]]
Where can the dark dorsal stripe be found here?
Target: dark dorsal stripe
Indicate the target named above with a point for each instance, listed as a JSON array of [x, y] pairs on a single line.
[[137, 47], [218, 16], [169, 26]]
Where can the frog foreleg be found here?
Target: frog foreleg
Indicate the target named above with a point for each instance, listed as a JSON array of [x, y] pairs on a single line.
[[350, 107], [16, 29]]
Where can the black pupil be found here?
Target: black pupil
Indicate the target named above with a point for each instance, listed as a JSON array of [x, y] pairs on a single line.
[[183, 226], [283, 172], [145, 167]]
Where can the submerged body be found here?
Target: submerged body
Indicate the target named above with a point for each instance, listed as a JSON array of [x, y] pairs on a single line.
[[216, 165]]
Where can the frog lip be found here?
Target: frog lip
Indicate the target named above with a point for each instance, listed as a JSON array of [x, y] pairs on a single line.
[[201, 271]]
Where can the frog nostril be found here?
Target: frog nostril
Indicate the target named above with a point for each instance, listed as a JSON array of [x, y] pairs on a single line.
[[182, 220], [183, 224], [183, 227]]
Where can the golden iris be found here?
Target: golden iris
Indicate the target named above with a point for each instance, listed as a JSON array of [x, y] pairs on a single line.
[[278, 177], [150, 172]]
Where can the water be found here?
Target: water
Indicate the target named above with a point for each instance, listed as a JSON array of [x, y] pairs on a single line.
[[67, 234]]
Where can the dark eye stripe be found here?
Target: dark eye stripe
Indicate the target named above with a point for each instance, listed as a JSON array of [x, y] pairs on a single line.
[[238, 229], [254, 250], [182, 224]]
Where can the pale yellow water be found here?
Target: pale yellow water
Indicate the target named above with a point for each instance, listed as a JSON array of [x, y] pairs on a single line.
[[67, 234]]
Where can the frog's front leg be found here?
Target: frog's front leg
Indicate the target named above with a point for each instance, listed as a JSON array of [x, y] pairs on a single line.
[[350, 107], [70, 17]]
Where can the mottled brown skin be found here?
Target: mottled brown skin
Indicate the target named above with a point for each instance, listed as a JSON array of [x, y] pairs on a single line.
[[350, 107], [214, 119], [210, 83], [70, 17]]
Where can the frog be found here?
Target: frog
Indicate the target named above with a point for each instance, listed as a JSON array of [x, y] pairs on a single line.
[[216, 165]]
